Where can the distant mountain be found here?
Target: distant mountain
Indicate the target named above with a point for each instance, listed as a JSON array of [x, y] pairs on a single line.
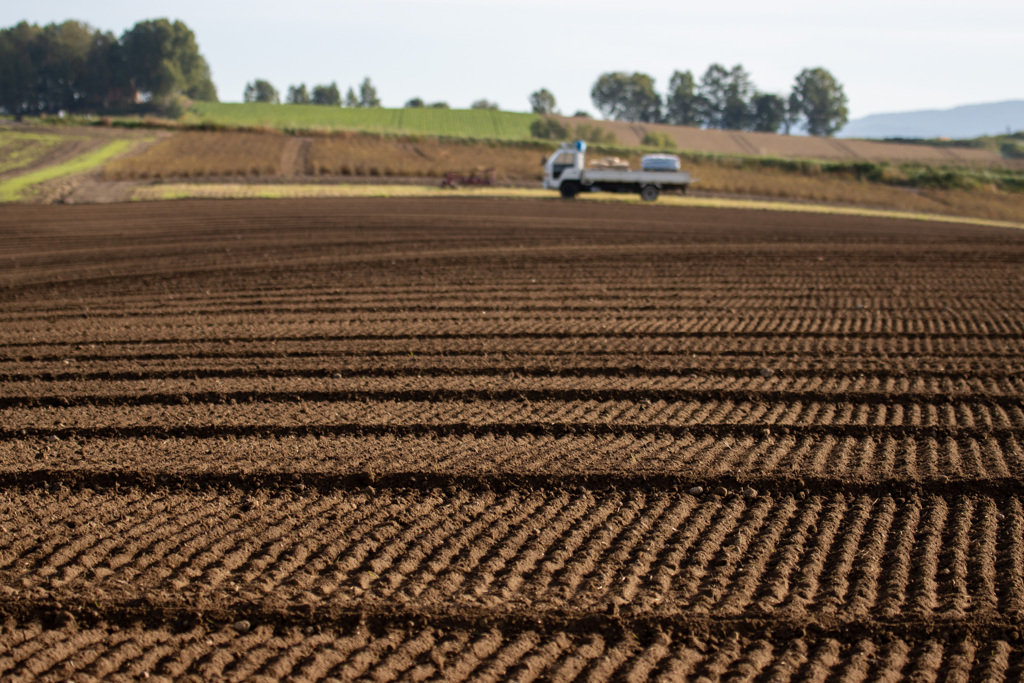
[[959, 123]]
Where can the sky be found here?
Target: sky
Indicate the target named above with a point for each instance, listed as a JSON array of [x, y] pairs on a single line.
[[890, 55]]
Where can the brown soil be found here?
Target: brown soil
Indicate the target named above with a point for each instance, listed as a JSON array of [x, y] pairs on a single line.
[[487, 440], [294, 157]]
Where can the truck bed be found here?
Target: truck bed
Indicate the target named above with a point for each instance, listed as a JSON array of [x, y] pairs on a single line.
[[658, 178]]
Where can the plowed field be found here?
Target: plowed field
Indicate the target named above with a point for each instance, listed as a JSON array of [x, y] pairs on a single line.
[[490, 440]]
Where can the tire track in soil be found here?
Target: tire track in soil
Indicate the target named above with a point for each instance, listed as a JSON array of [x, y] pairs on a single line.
[[449, 440]]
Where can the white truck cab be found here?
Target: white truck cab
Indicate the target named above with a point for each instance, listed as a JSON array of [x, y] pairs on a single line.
[[566, 171]]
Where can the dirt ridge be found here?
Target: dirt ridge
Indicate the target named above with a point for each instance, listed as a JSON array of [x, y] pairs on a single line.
[[552, 429], [516, 394], [997, 488], [523, 369]]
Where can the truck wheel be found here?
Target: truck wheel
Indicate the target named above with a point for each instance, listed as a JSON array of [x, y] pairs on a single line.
[[569, 190], [648, 193]]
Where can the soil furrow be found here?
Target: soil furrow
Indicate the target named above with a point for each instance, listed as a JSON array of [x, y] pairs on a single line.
[[916, 342], [60, 432], [709, 454], [917, 377], [208, 549], [217, 480], [647, 395], [88, 623]]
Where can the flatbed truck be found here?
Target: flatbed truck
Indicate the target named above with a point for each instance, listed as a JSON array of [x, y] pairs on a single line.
[[566, 171]]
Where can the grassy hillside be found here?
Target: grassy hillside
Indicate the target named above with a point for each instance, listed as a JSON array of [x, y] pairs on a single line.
[[462, 123], [515, 127]]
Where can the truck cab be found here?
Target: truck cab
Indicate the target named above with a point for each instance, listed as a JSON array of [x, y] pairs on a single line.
[[565, 165]]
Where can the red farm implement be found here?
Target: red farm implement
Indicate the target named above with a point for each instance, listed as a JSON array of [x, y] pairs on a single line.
[[483, 176]]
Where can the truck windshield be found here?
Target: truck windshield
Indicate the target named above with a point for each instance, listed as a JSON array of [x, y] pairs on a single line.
[[563, 161]]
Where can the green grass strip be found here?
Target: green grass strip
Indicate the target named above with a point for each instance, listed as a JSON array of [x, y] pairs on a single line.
[[460, 123], [15, 188], [19, 149], [296, 191]]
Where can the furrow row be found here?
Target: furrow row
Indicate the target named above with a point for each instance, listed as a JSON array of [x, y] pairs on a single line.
[[131, 652], [658, 554], [252, 342], [374, 412], [450, 384], [990, 323], [189, 328], [586, 265], [754, 372], [651, 294], [963, 310], [867, 457]]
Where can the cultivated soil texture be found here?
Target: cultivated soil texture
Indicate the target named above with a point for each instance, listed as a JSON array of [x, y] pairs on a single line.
[[486, 440]]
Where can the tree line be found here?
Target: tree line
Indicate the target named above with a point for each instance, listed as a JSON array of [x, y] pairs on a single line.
[[724, 99], [261, 90], [73, 67]]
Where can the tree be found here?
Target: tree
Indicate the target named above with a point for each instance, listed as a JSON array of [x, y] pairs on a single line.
[[737, 113], [581, 114], [61, 65], [106, 84], [328, 95], [769, 113], [297, 94], [261, 91], [368, 94], [439, 105], [547, 128], [542, 102], [683, 106], [724, 98], [627, 97], [350, 98], [484, 104], [792, 113], [415, 103], [162, 59], [73, 67], [68, 66], [713, 92], [17, 70], [819, 102]]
